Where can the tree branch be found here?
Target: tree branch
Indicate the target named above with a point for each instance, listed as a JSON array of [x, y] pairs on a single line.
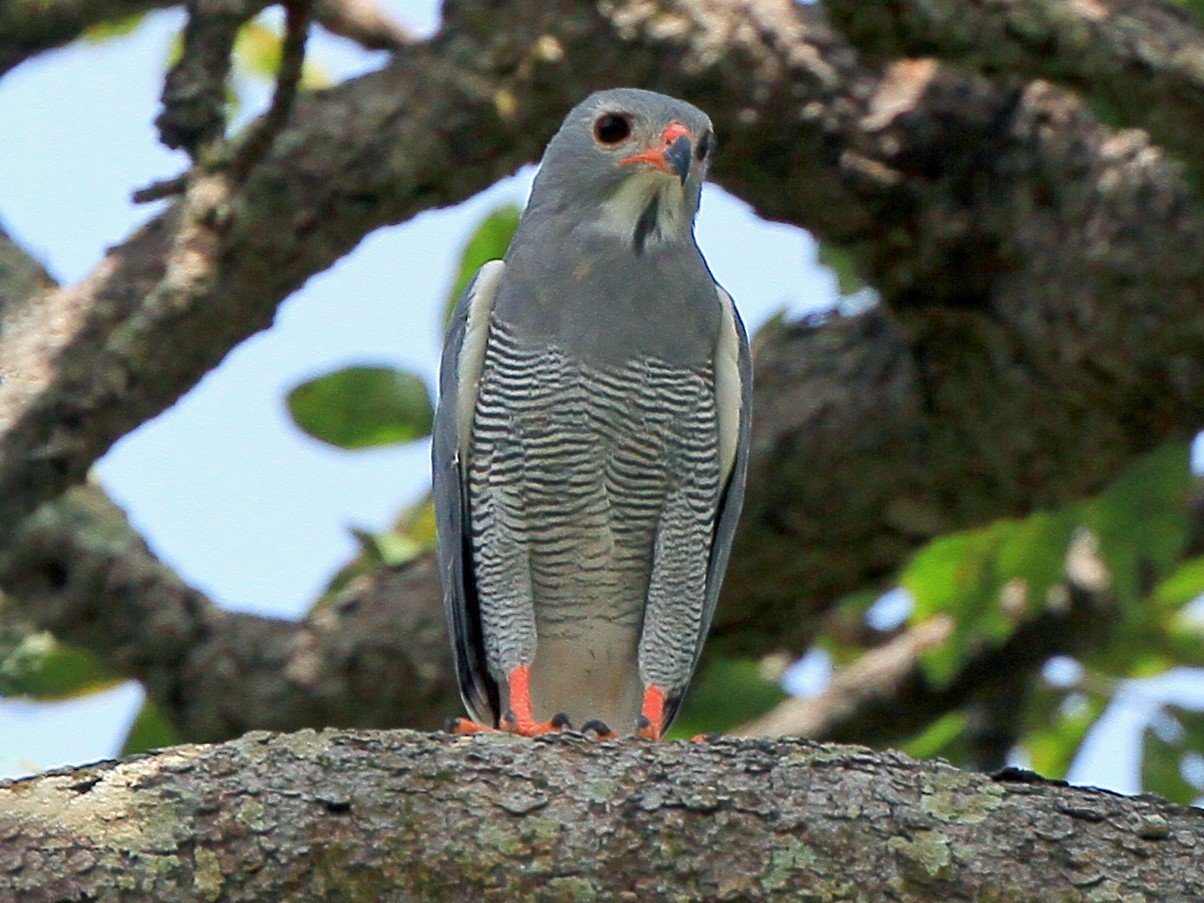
[[30, 27], [375, 656], [364, 21], [1136, 62], [395, 816]]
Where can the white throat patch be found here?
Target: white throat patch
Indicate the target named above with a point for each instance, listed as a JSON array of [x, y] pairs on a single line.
[[621, 215]]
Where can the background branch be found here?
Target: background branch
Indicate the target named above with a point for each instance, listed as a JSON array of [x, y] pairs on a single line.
[[374, 656], [31, 27], [1135, 61], [887, 695]]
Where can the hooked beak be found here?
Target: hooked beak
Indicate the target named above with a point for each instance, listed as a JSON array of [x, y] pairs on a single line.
[[673, 157]]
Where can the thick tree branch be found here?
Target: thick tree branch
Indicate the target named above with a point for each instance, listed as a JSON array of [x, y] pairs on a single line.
[[375, 656], [21, 277], [1135, 60], [362, 21], [30, 27], [395, 816]]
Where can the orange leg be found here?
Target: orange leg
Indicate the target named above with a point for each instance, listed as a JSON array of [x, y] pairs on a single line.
[[520, 719], [652, 718]]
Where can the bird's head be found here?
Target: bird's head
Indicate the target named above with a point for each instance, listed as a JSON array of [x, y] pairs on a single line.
[[630, 162]]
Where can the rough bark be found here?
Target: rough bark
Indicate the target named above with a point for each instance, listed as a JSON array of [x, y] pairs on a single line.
[[32, 27], [1040, 276], [374, 656], [1136, 61], [394, 816]]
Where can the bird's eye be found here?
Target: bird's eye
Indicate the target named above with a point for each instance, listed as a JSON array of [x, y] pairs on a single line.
[[704, 146], [611, 128]]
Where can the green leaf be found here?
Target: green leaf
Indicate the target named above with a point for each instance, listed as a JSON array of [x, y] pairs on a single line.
[[1185, 583], [417, 521], [412, 533], [390, 548], [116, 28], [360, 407], [843, 267], [1195, 8], [1141, 523], [37, 666], [964, 575], [727, 693], [488, 242], [149, 730], [941, 738], [258, 50]]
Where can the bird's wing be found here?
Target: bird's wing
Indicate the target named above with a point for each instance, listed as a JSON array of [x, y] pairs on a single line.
[[459, 377], [733, 408]]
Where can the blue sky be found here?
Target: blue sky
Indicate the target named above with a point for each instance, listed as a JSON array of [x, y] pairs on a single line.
[[226, 490]]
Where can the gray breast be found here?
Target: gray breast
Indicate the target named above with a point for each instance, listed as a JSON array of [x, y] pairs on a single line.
[[571, 465]]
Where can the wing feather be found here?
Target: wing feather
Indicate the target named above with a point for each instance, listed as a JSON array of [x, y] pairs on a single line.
[[733, 407], [459, 378]]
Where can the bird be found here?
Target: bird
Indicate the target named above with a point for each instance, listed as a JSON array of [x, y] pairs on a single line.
[[590, 442]]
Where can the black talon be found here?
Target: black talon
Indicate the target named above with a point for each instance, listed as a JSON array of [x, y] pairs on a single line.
[[561, 721], [509, 717], [641, 723], [450, 725], [596, 726]]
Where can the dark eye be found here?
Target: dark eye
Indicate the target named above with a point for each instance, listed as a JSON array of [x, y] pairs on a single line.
[[611, 128], [704, 146]]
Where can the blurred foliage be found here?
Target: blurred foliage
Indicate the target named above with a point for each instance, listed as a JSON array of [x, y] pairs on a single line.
[[35, 665], [726, 693], [993, 579], [1194, 7], [1171, 754], [840, 262], [488, 242], [361, 407], [149, 730], [116, 28], [258, 51]]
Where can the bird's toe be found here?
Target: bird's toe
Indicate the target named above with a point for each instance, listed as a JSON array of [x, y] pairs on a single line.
[[597, 729], [465, 726]]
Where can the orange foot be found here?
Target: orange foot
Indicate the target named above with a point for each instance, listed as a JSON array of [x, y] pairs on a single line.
[[465, 726], [509, 724], [527, 726], [519, 719]]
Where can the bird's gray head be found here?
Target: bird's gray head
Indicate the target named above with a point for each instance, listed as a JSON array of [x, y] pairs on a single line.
[[627, 162]]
